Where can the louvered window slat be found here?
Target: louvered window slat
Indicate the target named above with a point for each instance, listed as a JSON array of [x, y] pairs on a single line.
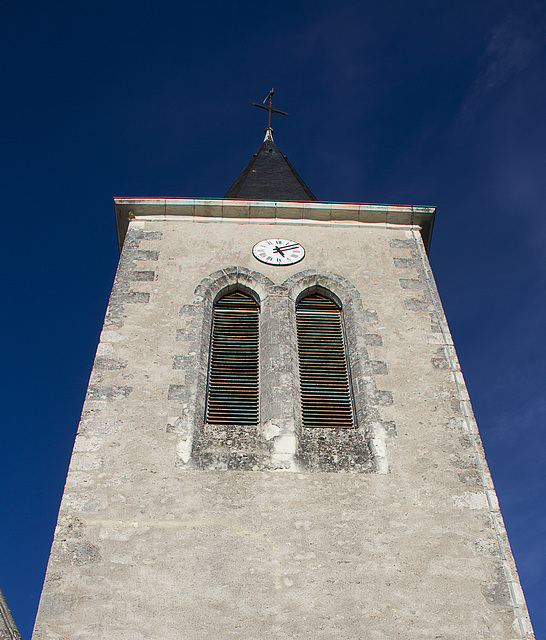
[[324, 378], [232, 397]]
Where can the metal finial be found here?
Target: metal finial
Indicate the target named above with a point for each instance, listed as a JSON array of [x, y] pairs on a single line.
[[269, 109]]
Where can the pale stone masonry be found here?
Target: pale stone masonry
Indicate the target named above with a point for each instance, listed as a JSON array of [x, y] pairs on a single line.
[[170, 529], [8, 628]]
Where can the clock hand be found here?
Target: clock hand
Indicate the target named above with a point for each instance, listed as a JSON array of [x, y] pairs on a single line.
[[290, 246], [279, 250]]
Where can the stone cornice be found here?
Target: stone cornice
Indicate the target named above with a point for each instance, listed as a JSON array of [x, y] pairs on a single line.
[[202, 210]]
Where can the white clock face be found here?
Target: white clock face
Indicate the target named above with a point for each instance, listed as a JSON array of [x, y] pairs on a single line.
[[278, 252]]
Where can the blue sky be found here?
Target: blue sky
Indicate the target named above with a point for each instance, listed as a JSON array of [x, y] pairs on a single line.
[[426, 102]]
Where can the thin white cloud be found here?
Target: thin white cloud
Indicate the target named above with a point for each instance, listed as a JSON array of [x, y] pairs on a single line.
[[512, 47], [525, 423]]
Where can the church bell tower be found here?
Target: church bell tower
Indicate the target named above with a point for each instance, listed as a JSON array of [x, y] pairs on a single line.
[[277, 441]]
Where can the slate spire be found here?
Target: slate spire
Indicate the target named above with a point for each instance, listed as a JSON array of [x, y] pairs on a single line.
[[269, 176]]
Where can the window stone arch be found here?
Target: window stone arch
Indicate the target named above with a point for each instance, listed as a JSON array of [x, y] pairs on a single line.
[[277, 442], [367, 398], [189, 399]]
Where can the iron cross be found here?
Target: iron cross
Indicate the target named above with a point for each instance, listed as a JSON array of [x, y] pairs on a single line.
[[269, 108]]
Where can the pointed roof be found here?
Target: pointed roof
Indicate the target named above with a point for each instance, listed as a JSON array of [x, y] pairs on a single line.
[[269, 176]]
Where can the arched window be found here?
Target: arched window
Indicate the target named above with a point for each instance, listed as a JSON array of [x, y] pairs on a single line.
[[232, 396], [324, 378]]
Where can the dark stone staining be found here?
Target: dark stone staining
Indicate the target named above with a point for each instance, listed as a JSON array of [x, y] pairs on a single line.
[[141, 234], [435, 326], [126, 274], [390, 428], [135, 297], [176, 392], [373, 339], [416, 284], [69, 528], [204, 289], [409, 283], [53, 578], [374, 367], [334, 450], [185, 335], [143, 276], [187, 310], [108, 392], [110, 364], [471, 478], [118, 300], [371, 316], [77, 553], [440, 363], [496, 592], [184, 362], [396, 243], [456, 406], [230, 448], [143, 254], [70, 548], [463, 461], [405, 263], [487, 547], [414, 304], [381, 398], [466, 441], [114, 315]]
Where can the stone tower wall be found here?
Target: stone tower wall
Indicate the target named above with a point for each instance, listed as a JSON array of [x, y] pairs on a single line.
[[170, 530]]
